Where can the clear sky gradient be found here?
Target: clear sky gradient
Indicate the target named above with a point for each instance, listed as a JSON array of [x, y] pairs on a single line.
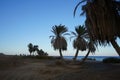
[[30, 21]]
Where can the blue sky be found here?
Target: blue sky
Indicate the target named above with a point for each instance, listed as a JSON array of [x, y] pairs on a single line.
[[30, 21]]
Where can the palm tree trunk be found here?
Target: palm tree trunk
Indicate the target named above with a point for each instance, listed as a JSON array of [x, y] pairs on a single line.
[[60, 51], [76, 55], [86, 56], [116, 46]]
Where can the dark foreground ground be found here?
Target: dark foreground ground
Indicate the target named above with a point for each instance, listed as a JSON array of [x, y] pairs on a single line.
[[17, 68]]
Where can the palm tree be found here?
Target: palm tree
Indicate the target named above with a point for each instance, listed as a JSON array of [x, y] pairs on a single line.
[[102, 21], [35, 48], [79, 43], [30, 48], [58, 40], [40, 52]]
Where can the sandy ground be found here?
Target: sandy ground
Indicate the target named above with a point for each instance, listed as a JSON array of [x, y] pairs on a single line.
[[12, 68]]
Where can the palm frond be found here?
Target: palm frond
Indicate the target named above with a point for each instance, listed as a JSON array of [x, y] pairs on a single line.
[[66, 34], [83, 9], [80, 44], [59, 30], [81, 30], [60, 43], [51, 36], [103, 20], [91, 47], [52, 40], [73, 33], [72, 37], [77, 7]]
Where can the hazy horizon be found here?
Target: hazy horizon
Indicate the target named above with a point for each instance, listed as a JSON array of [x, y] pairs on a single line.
[[30, 21]]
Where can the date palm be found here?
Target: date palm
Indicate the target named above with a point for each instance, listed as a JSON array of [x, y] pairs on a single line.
[[30, 48], [58, 40], [102, 21], [35, 48], [79, 43]]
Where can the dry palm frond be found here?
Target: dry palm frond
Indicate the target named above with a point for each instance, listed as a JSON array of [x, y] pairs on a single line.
[[80, 44], [91, 47], [102, 19], [60, 43]]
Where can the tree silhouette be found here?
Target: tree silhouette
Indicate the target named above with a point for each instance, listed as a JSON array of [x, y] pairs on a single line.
[[102, 21], [30, 48], [58, 40], [42, 53], [35, 48], [79, 43]]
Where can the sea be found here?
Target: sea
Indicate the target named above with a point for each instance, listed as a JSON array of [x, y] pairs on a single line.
[[97, 58]]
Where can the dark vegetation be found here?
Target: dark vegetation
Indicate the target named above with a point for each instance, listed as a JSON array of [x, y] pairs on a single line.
[[58, 40], [34, 48], [2, 54], [102, 21], [111, 60], [39, 57]]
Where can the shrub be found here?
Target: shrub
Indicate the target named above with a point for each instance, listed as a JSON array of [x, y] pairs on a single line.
[[111, 60]]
